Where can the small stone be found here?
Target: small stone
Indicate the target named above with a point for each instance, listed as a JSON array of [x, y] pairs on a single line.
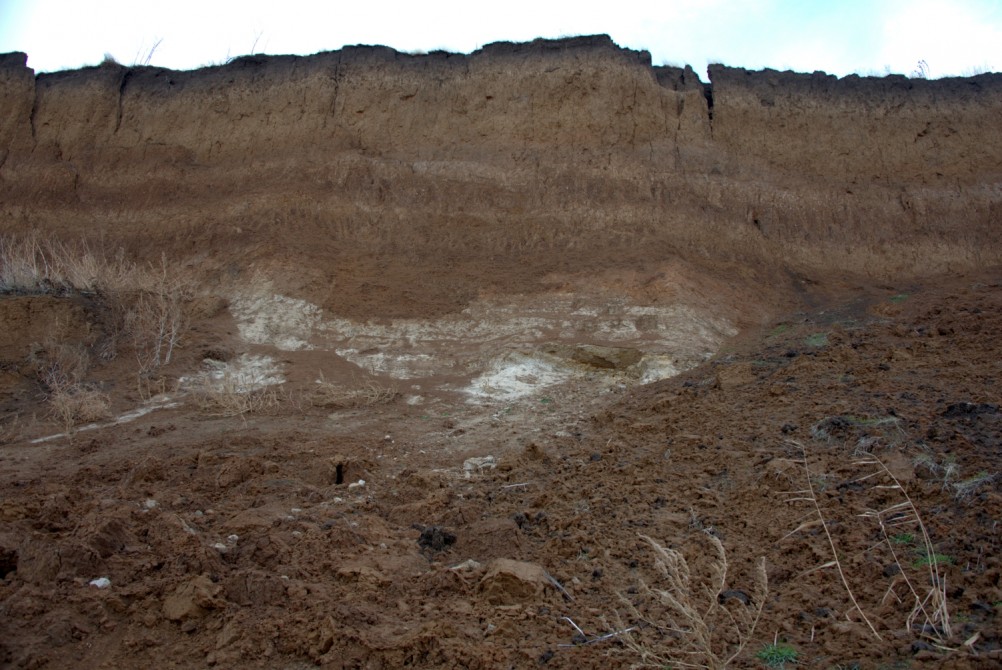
[[100, 582], [479, 464], [193, 599], [467, 565], [509, 582]]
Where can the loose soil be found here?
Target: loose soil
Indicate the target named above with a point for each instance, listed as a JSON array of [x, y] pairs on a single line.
[[446, 529]]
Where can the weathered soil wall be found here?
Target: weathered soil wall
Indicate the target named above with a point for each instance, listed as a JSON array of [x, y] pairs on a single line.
[[568, 155]]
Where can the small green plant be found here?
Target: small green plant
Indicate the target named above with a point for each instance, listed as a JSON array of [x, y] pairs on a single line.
[[926, 558], [822, 482], [779, 330], [903, 538], [949, 472], [817, 340], [777, 655], [899, 298], [835, 426]]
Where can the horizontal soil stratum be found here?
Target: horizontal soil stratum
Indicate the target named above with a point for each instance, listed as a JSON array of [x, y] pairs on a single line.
[[540, 356]]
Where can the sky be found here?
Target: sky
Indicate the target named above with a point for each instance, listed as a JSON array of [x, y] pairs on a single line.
[[870, 37]]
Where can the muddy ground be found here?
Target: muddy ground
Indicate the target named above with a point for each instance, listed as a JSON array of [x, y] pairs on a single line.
[[439, 527]]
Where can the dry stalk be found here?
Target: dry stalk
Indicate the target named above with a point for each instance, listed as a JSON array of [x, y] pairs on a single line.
[[153, 386], [809, 495], [929, 608], [694, 616], [10, 428]]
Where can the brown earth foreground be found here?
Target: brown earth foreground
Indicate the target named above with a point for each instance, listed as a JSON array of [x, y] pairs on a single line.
[[496, 361]]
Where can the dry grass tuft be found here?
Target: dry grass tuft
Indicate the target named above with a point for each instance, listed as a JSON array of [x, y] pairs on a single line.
[[230, 396], [330, 395], [692, 623], [77, 404], [32, 263]]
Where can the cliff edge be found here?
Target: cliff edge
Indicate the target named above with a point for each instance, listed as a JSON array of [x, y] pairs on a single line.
[[549, 156]]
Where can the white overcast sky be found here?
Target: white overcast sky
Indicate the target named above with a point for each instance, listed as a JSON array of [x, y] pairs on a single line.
[[954, 37]]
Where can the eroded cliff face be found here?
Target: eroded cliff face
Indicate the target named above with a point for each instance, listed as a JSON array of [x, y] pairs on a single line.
[[505, 165]]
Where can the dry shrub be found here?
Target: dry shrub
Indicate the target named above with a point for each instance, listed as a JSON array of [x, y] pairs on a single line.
[[59, 365], [230, 396], [691, 623], [61, 368], [154, 314], [330, 395]]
